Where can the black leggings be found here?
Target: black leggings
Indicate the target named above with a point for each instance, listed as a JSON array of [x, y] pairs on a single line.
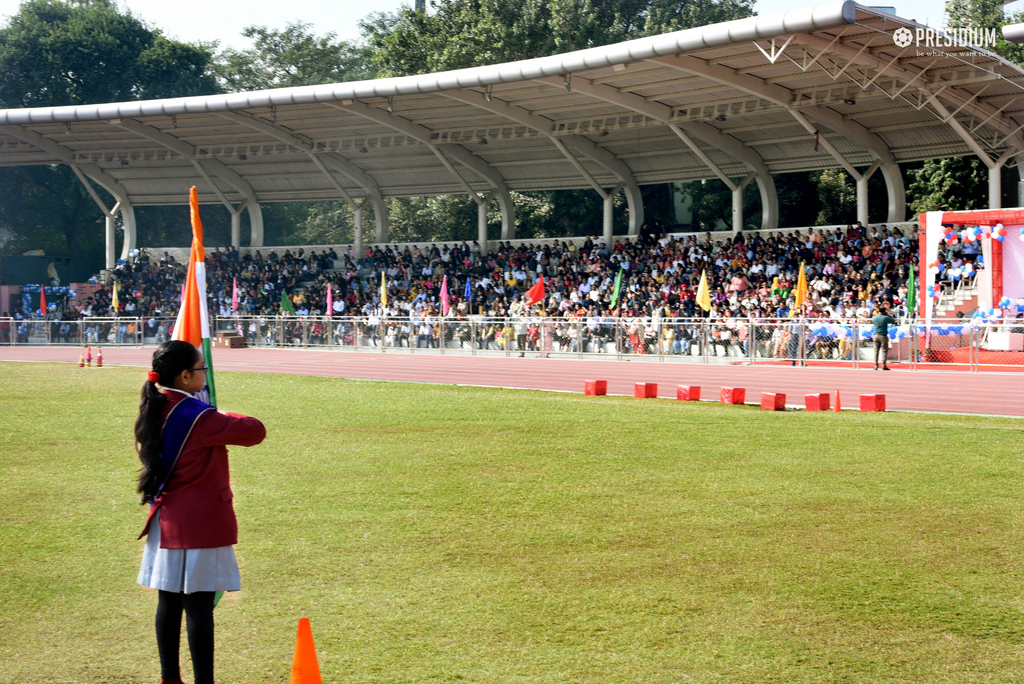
[[198, 609]]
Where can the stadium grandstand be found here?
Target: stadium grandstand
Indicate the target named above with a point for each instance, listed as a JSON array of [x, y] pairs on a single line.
[[832, 86]]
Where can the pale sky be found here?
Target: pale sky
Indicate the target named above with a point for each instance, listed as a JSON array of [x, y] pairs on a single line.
[[223, 20]]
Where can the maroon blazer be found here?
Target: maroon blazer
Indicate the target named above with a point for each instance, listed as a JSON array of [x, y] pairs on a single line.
[[196, 509]]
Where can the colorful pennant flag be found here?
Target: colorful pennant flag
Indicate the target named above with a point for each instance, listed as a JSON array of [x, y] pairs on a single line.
[[42, 299], [444, 296], [330, 300], [383, 291], [536, 293], [801, 287], [114, 300], [286, 303], [234, 295], [618, 284], [911, 294], [703, 294], [193, 324]]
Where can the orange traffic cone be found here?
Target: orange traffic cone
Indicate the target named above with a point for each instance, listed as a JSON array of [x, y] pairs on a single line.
[[305, 668], [99, 357], [838, 407], [81, 360], [88, 356]]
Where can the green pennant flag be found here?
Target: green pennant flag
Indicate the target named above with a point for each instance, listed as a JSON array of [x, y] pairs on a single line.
[[911, 294], [618, 284], [286, 303]]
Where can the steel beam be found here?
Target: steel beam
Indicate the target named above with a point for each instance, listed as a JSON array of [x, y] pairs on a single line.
[[710, 135], [784, 98], [319, 156], [579, 144], [228, 175], [456, 152], [123, 200]]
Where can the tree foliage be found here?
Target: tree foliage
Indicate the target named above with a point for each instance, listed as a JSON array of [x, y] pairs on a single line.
[[962, 182], [292, 57], [837, 197], [956, 183], [55, 53], [68, 53], [457, 34]]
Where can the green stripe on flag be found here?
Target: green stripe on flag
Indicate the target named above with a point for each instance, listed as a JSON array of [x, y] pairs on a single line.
[[212, 389], [911, 294], [208, 355]]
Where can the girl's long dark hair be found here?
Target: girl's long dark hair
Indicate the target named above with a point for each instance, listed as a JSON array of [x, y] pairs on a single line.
[[169, 360]]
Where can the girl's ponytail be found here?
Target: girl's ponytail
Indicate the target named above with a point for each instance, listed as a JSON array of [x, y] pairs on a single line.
[[149, 439]]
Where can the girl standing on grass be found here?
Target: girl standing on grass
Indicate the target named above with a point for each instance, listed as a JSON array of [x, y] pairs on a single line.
[[184, 478]]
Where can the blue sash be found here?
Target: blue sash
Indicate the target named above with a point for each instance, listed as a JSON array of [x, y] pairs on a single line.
[[178, 427]]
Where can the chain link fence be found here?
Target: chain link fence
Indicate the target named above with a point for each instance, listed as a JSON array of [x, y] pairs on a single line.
[[966, 343]]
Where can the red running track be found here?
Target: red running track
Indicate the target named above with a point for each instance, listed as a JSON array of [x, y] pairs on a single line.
[[991, 393]]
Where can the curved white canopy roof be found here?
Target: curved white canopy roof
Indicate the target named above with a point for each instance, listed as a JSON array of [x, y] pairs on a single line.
[[814, 88]]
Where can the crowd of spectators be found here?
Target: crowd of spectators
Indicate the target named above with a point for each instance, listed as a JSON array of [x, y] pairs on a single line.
[[749, 275], [849, 273]]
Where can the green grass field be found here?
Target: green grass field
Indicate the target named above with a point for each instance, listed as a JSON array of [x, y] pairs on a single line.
[[438, 533]]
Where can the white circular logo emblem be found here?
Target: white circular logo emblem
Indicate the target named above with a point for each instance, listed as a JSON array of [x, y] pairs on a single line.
[[903, 37]]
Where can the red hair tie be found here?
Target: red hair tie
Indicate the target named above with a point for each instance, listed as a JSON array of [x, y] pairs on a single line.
[[153, 376]]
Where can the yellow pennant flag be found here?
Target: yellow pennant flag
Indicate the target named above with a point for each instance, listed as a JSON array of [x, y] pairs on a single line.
[[116, 303], [703, 294], [383, 291], [801, 287]]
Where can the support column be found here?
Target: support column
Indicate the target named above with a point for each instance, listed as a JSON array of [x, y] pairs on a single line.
[[995, 185], [481, 226], [111, 234], [862, 191], [737, 202], [508, 215], [769, 202], [110, 260], [862, 200], [357, 230], [737, 210], [609, 208], [380, 215], [130, 232], [635, 205], [381, 232], [236, 229], [255, 224], [896, 192]]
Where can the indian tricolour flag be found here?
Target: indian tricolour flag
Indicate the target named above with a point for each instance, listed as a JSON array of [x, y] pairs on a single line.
[[193, 323]]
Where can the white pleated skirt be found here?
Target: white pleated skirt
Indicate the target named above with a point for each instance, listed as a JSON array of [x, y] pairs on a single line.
[[187, 570]]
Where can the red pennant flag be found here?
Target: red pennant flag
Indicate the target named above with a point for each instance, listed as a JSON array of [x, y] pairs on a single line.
[[42, 300], [536, 293]]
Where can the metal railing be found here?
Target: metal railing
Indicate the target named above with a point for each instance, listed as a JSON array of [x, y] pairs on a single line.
[[114, 332], [799, 342]]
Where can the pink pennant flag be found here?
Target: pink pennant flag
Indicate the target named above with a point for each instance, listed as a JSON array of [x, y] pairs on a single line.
[[234, 295], [182, 301], [330, 300], [444, 296]]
